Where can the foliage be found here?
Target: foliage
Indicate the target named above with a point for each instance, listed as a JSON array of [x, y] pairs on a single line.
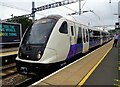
[[24, 21]]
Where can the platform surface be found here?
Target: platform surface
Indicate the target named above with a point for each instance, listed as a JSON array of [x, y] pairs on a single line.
[[107, 72], [74, 74], [8, 51], [3, 50]]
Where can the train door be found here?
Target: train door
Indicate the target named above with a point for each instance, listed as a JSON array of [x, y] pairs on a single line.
[[85, 39], [101, 40], [72, 35]]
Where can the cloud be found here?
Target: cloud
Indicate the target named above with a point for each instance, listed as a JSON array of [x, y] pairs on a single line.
[[102, 8]]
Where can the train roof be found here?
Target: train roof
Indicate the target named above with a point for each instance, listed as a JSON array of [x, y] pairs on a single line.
[[69, 18], [56, 17], [74, 19]]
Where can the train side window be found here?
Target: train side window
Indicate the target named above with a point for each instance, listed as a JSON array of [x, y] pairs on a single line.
[[84, 35], [90, 34], [79, 40], [87, 35], [96, 33], [63, 28], [103, 34], [72, 31]]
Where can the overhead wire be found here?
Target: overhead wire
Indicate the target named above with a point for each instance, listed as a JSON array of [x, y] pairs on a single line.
[[89, 9], [77, 11], [58, 8], [66, 7], [83, 4], [14, 7], [100, 21]]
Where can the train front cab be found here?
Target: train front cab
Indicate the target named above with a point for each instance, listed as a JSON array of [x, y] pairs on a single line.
[[35, 53]]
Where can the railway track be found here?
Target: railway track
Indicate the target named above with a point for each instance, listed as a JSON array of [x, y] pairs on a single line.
[[8, 70], [27, 82], [10, 76]]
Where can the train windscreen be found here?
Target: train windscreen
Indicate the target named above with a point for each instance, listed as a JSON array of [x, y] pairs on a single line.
[[40, 31]]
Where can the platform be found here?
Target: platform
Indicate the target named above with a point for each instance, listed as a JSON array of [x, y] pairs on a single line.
[[8, 51], [107, 72], [79, 71], [8, 55]]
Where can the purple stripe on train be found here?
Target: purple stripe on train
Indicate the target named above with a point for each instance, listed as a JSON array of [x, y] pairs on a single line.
[[77, 48], [74, 49], [94, 43]]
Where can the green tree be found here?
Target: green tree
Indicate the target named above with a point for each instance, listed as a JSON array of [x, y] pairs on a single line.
[[24, 21]]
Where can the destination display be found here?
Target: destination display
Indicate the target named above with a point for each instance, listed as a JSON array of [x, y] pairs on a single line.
[[9, 33]]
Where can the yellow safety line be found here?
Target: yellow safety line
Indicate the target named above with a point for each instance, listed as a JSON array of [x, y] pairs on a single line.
[[89, 73], [119, 68], [118, 62], [8, 53]]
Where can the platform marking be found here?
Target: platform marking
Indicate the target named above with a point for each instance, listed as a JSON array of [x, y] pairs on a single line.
[[2, 74], [91, 71], [8, 53], [118, 62], [36, 83]]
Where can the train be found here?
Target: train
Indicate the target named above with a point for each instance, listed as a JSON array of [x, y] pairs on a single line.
[[55, 40]]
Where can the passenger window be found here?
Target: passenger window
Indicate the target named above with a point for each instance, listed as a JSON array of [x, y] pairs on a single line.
[[90, 34], [87, 35], [84, 35], [72, 31], [79, 40], [63, 28], [96, 33]]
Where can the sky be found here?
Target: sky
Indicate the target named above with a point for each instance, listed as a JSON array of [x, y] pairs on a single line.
[[103, 10]]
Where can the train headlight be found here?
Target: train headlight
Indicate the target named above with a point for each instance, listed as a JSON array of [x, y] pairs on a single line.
[[39, 55]]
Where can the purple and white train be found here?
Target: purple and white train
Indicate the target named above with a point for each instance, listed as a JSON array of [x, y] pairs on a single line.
[[55, 39]]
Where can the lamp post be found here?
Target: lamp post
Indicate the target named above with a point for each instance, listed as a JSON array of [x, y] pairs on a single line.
[[33, 13], [117, 24], [119, 13], [79, 7]]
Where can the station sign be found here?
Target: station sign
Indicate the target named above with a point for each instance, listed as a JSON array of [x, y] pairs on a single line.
[[117, 25], [10, 33]]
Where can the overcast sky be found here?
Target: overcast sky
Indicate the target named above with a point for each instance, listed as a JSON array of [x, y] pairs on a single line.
[[104, 11]]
